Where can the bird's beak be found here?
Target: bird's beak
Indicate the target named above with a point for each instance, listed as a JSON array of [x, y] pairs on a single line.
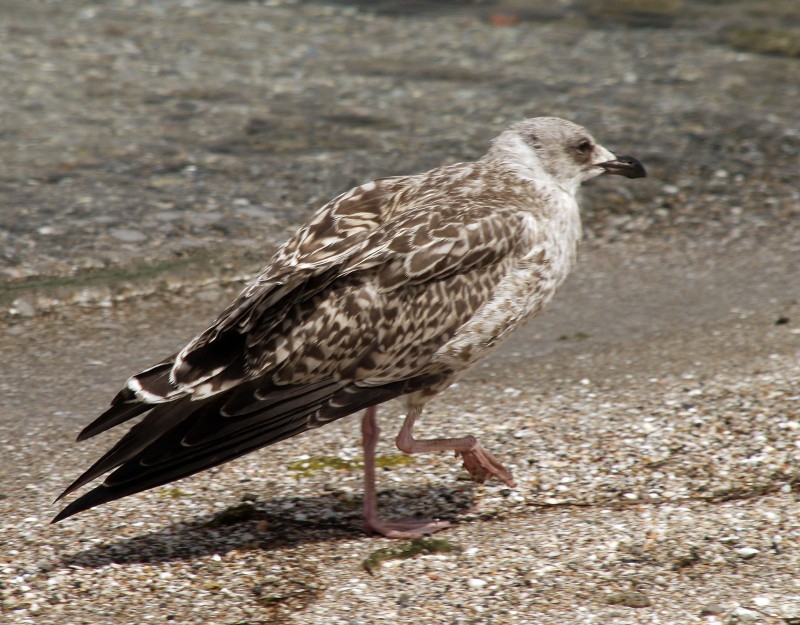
[[624, 166]]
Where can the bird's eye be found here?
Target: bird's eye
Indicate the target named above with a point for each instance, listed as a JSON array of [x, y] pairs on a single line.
[[584, 146]]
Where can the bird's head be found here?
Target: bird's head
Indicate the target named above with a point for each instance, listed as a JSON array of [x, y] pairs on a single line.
[[543, 147]]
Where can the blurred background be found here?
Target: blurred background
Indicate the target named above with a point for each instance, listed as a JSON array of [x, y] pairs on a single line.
[[138, 137]]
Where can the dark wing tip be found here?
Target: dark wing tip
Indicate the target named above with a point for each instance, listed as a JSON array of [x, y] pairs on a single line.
[[84, 478], [62, 515], [94, 497], [126, 405], [116, 414]]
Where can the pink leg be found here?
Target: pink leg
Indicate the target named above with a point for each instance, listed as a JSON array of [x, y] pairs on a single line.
[[373, 524], [477, 460]]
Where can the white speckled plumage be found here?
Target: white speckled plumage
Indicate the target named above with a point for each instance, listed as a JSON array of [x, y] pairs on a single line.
[[393, 289]]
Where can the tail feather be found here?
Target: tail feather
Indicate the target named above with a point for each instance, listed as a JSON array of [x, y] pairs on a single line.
[[163, 459], [252, 397], [184, 437], [140, 436], [110, 492]]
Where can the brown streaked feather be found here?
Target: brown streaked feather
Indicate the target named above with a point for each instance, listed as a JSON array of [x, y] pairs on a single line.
[[312, 252]]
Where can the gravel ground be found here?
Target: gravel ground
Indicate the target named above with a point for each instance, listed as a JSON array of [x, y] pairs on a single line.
[[650, 415], [654, 446]]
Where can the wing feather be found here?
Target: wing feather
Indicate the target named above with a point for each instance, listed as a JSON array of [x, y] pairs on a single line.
[[161, 449]]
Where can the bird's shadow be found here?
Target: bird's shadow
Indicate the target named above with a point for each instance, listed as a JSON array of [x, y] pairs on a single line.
[[271, 525]]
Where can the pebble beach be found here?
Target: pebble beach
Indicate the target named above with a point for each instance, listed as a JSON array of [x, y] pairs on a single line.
[[153, 154]]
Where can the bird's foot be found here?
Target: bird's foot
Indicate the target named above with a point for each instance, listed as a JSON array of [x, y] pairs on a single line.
[[481, 465], [407, 528]]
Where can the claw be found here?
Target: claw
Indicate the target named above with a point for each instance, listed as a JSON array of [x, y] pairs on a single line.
[[481, 465]]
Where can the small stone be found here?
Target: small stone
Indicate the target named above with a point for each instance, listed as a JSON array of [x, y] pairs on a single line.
[[22, 307], [128, 236], [711, 608], [167, 215], [743, 615], [747, 553], [204, 219], [476, 583], [629, 599], [530, 579]]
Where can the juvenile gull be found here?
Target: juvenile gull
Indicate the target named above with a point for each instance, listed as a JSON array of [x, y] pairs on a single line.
[[391, 290]]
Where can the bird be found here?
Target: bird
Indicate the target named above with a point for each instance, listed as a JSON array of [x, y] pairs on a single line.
[[391, 290]]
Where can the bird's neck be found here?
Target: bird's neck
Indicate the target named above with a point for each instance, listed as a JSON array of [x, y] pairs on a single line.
[[564, 230], [558, 220]]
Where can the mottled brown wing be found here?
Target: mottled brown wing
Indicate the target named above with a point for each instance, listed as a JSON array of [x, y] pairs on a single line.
[[404, 295], [424, 245], [300, 269]]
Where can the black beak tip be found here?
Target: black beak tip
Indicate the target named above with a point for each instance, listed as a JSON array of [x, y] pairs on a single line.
[[627, 166]]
